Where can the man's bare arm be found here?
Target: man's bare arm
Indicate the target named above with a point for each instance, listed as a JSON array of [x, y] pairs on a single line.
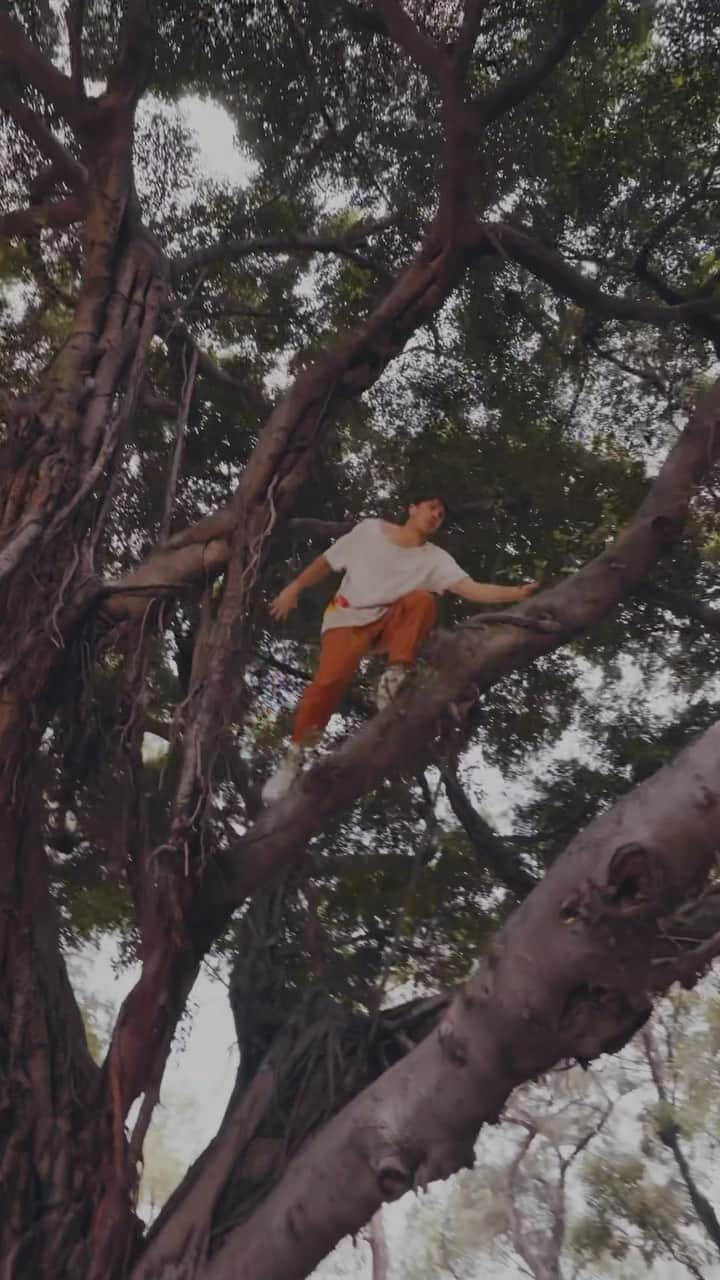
[[490, 593], [285, 602]]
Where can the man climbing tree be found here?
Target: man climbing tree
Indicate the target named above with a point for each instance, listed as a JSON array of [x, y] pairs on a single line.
[[386, 604]]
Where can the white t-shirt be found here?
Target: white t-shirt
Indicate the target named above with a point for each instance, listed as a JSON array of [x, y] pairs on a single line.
[[378, 572]]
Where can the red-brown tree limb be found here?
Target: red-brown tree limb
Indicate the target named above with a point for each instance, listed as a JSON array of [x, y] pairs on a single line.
[[571, 976]]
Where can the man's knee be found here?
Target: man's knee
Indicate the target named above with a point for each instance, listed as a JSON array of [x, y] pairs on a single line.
[[329, 683]]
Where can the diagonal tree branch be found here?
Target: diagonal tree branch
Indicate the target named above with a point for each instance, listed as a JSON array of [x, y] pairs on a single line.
[[670, 1137], [571, 976], [34, 69], [65, 166], [549, 265], [53, 214], [410, 37], [684, 605], [645, 375], [519, 86], [674, 216]]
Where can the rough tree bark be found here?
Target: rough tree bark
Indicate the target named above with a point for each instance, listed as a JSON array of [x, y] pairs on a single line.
[[61, 444], [571, 976]]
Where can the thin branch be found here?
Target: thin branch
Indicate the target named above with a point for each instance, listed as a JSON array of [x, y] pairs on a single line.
[[491, 850], [685, 606], [645, 375], [344, 245], [671, 219], [519, 86], [669, 1136], [172, 331]]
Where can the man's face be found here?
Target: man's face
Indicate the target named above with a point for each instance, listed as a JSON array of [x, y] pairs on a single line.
[[427, 516]]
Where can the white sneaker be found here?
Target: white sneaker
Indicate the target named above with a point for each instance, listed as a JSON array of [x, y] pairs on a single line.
[[285, 775], [389, 684]]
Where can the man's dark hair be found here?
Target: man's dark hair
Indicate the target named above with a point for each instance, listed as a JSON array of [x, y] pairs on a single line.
[[429, 497]]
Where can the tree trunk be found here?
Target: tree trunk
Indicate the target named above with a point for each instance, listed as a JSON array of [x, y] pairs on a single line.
[[67, 1182]]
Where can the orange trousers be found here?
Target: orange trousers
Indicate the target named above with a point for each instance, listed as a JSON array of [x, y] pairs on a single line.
[[399, 633]]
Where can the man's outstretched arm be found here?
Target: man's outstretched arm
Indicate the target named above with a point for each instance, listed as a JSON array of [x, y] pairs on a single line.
[[490, 593], [285, 602]]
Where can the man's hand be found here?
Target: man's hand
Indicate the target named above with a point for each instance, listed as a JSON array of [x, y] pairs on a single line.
[[527, 589], [285, 602]]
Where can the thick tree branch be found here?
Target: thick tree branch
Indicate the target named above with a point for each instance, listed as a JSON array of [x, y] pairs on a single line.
[[519, 86], [345, 245], [53, 214], [571, 976], [75, 21], [35, 69], [491, 850], [65, 166], [136, 51], [467, 36], [550, 266], [410, 37]]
